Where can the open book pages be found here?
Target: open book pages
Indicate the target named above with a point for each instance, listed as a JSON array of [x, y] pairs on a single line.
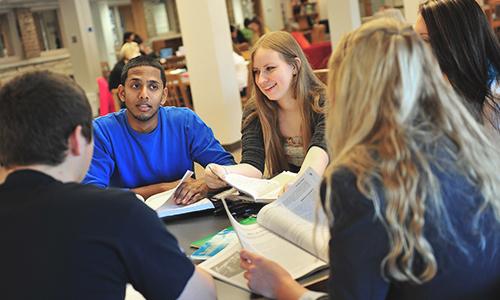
[[298, 217], [226, 266], [165, 206], [291, 257], [260, 190]]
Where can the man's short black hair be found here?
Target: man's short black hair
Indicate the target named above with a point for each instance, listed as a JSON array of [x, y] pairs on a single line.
[[38, 112], [143, 60]]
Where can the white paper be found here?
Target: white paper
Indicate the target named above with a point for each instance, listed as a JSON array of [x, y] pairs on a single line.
[[297, 217], [226, 266], [132, 294], [261, 190], [165, 206]]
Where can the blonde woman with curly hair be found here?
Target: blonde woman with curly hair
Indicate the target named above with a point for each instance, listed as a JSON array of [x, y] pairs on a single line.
[[283, 123], [412, 190]]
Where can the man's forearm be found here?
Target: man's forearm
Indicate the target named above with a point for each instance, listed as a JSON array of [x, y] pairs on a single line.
[[150, 190]]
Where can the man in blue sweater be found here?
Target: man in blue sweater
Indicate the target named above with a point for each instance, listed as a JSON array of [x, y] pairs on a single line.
[[147, 147]]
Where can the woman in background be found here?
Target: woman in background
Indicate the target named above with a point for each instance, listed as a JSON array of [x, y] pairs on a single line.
[[468, 53], [283, 122], [257, 28], [412, 191], [128, 51]]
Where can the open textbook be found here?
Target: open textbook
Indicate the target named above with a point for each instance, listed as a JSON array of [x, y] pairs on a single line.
[[164, 205], [260, 190], [285, 232]]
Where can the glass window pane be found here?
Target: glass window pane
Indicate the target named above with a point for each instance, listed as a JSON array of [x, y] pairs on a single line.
[[6, 46], [48, 31]]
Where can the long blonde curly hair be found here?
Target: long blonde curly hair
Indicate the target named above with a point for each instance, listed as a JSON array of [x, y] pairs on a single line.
[[388, 106]]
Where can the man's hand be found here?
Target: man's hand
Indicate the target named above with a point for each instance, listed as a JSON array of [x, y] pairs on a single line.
[[268, 278], [190, 191]]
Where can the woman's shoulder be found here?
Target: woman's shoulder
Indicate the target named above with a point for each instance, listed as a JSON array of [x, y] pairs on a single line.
[[250, 115], [343, 188], [249, 108]]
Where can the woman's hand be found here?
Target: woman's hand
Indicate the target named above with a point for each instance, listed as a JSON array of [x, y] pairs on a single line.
[[214, 176], [287, 185], [268, 278]]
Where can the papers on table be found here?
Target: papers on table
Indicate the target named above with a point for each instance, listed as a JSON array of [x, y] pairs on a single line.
[[165, 206]]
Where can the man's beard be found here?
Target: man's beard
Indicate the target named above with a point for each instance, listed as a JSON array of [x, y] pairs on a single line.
[[143, 118]]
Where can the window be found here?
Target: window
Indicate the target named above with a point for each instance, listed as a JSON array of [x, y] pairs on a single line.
[[48, 31], [159, 16], [122, 20], [114, 15], [6, 35]]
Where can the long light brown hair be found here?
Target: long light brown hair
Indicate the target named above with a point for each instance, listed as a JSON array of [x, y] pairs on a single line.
[[389, 106], [307, 90]]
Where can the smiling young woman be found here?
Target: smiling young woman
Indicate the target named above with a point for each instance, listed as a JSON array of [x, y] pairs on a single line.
[[283, 122]]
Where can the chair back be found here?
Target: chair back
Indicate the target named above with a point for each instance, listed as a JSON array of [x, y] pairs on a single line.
[[322, 74], [173, 62], [318, 33], [301, 39], [178, 94]]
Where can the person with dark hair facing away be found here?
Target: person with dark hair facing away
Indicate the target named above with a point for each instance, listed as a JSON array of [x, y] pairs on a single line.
[[147, 147], [64, 240], [236, 35], [245, 31], [129, 36], [258, 29], [412, 191], [468, 53]]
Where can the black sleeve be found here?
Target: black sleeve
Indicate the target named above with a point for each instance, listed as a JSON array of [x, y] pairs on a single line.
[[318, 126], [318, 135], [156, 265], [115, 76], [252, 144], [358, 243]]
